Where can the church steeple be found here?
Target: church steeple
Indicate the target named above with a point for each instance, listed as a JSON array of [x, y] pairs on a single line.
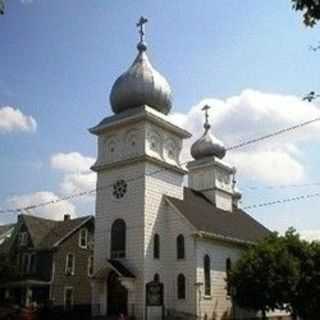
[[141, 84]]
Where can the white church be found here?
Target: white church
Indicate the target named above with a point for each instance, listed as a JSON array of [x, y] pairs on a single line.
[[162, 248]]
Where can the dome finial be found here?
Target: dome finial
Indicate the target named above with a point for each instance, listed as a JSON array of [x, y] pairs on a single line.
[[206, 125], [207, 145], [142, 45]]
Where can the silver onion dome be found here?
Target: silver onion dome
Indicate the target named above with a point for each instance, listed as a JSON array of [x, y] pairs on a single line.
[[207, 145], [141, 84]]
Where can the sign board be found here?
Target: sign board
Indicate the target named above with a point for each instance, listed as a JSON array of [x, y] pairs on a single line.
[[154, 294]]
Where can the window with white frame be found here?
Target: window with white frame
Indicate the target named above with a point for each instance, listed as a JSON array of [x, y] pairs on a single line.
[[68, 298], [28, 263], [23, 238], [70, 264], [83, 238], [90, 266]]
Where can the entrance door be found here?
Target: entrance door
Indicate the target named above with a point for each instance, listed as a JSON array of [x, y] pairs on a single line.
[[117, 295]]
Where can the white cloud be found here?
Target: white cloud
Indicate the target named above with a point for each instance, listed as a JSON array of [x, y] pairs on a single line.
[[12, 119], [77, 175], [53, 211], [78, 182], [252, 114], [71, 162], [310, 235]]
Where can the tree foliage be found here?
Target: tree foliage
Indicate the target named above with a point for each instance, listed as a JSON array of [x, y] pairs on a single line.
[[281, 272], [310, 9]]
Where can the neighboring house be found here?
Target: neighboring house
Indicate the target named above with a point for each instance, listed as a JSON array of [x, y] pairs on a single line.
[[160, 247], [53, 262]]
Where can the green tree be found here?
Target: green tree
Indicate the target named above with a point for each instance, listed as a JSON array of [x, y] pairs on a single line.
[[264, 276], [310, 9], [305, 299]]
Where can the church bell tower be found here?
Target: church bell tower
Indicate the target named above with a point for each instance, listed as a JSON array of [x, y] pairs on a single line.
[[138, 162]]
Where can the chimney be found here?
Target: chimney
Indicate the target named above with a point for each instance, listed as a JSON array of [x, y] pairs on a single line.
[[66, 217]]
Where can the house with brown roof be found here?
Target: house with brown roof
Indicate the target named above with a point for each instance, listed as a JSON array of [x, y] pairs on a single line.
[[53, 262]]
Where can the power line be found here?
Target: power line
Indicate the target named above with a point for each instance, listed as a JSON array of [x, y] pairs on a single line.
[[282, 201], [273, 134], [282, 186], [84, 193], [76, 195]]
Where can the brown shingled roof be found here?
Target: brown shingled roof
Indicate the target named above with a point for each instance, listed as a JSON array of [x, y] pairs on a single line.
[[60, 230], [46, 233], [206, 217]]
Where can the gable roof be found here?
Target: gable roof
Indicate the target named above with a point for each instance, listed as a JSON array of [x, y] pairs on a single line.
[[37, 227], [46, 233], [207, 218], [61, 230]]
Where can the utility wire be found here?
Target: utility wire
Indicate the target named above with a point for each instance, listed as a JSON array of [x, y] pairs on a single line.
[[281, 186], [273, 134], [281, 201], [84, 193]]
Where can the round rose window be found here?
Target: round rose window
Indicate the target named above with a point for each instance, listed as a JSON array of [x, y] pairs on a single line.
[[119, 189]]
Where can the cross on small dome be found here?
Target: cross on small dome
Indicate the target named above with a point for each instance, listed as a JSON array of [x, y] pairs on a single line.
[[207, 145]]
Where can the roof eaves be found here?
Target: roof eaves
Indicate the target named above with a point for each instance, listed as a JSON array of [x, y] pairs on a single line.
[[214, 236], [72, 231]]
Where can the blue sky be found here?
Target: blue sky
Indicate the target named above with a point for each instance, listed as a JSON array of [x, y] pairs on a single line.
[[59, 59]]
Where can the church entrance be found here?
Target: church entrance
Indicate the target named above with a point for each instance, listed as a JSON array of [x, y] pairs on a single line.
[[117, 296]]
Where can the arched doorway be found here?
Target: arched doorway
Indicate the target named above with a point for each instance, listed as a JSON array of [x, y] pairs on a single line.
[[117, 295]]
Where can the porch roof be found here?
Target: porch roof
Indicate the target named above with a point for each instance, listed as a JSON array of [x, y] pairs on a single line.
[[25, 283], [115, 266]]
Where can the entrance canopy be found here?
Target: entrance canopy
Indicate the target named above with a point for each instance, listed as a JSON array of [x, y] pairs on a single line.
[[117, 267]]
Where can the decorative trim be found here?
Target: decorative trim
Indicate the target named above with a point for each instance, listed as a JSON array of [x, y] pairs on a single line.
[[121, 163], [136, 115]]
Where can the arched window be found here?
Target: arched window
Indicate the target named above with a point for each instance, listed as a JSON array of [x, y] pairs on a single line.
[[180, 247], [207, 275], [228, 270], [156, 246], [118, 239], [181, 286], [156, 277]]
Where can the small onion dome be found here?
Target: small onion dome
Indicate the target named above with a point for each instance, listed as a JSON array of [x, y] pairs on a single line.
[[207, 145], [140, 85]]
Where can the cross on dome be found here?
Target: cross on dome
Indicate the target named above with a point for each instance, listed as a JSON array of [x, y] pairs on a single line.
[[206, 125], [141, 84], [207, 145], [142, 45], [141, 24]]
